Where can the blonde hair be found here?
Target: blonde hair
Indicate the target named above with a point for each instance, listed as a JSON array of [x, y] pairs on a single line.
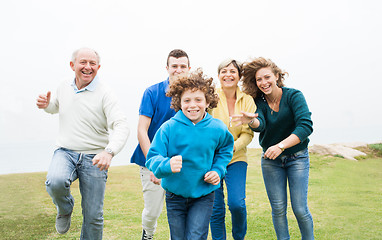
[[227, 62]]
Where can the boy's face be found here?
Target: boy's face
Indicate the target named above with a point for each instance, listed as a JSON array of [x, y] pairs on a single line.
[[177, 66], [193, 105]]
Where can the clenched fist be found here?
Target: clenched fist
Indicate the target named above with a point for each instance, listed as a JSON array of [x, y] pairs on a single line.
[[43, 100], [176, 163]]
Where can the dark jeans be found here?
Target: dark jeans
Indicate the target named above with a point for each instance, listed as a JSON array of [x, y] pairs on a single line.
[[189, 217]]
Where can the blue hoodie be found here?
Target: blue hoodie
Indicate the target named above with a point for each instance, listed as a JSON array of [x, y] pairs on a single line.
[[205, 146]]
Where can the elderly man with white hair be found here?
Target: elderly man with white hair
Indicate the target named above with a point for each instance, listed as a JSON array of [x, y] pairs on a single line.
[[87, 110]]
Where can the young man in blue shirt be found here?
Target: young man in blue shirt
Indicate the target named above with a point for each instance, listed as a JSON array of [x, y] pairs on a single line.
[[153, 112]]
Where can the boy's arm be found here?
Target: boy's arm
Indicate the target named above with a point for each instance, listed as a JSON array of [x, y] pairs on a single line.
[[212, 177], [223, 154]]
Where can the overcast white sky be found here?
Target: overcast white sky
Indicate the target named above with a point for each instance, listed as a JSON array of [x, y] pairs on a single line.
[[331, 49]]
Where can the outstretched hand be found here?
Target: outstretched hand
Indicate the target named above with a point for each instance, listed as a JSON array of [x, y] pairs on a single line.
[[244, 118], [43, 100]]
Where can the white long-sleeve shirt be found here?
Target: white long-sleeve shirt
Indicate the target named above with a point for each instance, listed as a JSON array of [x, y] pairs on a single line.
[[86, 116]]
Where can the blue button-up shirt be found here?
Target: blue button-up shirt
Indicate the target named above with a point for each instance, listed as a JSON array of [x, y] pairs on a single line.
[[91, 87]]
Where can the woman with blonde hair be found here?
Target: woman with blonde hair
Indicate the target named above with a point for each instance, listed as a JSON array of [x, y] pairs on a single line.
[[232, 101]]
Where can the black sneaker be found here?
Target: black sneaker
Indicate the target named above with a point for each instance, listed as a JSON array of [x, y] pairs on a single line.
[[146, 236]]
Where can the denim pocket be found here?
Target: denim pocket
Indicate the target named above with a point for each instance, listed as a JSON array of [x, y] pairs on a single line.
[[301, 154], [169, 195], [92, 170]]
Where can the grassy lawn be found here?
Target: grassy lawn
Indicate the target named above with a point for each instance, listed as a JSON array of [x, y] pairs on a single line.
[[345, 199]]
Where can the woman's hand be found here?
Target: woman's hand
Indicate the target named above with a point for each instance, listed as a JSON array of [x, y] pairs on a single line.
[[273, 152], [246, 118]]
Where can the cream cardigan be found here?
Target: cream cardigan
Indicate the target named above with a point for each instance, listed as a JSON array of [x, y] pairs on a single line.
[[86, 119]]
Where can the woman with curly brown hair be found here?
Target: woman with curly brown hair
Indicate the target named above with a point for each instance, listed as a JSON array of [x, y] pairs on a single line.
[[190, 152], [284, 122]]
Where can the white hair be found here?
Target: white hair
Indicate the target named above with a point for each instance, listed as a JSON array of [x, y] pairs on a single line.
[[75, 53]]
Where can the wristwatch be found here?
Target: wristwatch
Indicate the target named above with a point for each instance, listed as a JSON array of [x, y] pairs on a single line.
[[281, 146], [108, 150]]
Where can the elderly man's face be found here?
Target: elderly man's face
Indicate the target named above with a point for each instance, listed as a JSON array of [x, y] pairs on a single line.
[[85, 67]]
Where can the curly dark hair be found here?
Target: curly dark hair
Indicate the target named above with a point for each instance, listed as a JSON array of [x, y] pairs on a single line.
[[193, 81], [249, 75]]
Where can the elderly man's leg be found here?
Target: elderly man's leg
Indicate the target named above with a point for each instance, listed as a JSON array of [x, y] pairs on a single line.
[[92, 188], [62, 172]]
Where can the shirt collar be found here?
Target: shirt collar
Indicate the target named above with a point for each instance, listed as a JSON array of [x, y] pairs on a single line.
[[91, 87]]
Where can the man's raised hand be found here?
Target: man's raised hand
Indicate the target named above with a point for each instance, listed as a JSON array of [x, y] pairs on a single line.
[[43, 100]]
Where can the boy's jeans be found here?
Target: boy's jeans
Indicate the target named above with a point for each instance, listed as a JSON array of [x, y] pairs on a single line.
[[189, 217]]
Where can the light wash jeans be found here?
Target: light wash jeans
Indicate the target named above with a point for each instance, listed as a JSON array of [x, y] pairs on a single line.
[[153, 196], [66, 167], [235, 180], [293, 169], [189, 218]]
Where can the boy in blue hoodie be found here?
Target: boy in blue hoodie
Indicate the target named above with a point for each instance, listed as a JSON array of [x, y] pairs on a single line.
[[190, 153]]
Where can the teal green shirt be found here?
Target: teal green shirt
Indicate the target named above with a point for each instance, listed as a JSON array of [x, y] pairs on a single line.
[[293, 117]]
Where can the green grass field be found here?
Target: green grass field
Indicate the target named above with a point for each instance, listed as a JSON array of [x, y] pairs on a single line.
[[345, 199]]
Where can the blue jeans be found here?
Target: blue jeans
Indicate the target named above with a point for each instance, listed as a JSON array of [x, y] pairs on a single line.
[[235, 180], [66, 167], [293, 168], [188, 218]]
